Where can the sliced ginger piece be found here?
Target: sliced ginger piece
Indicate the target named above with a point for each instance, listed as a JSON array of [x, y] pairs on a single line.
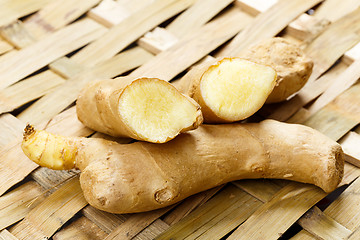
[[231, 89], [146, 109]]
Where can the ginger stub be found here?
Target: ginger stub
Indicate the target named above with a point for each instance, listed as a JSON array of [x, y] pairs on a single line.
[[230, 89], [146, 109], [293, 67], [141, 176]]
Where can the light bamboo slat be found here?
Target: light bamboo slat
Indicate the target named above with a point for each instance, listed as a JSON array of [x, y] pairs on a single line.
[[153, 230], [135, 223], [352, 55], [339, 116], [52, 213], [11, 129], [17, 35], [197, 15], [6, 235], [110, 12], [55, 15], [106, 221], [277, 215], [5, 46], [338, 38], [267, 24], [25, 91], [80, 229], [16, 204], [188, 205], [41, 53], [11, 10], [219, 209], [322, 226], [333, 11], [350, 144], [130, 30], [343, 82]]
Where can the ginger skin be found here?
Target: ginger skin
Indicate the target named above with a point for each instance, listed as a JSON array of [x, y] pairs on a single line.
[[141, 176]]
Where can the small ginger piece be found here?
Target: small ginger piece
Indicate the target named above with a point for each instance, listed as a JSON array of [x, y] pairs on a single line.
[[141, 176], [146, 109], [230, 89], [292, 66]]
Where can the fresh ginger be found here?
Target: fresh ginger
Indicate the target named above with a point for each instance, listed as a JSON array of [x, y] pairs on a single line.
[[146, 109], [141, 176], [230, 89], [290, 62]]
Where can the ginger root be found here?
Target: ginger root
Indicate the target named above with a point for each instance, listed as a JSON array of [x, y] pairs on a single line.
[[292, 66], [230, 89], [141, 176], [146, 109]]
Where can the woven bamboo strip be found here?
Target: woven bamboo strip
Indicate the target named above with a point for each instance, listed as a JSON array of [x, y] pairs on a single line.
[[332, 10], [213, 212], [352, 55], [130, 30], [343, 82], [188, 205], [161, 39], [192, 48], [135, 223], [30, 59], [110, 12], [16, 204], [11, 10], [17, 35], [25, 91], [106, 221], [153, 230], [11, 129], [6, 235], [15, 166], [197, 15], [263, 190], [305, 27], [267, 24], [344, 208], [277, 215], [350, 144], [339, 116], [55, 15], [338, 38], [322, 226], [52, 213], [80, 229], [5, 46], [66, 67], [355, 235]]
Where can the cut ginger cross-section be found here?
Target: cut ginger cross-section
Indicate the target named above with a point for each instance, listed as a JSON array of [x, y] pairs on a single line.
[[147, 109], [232, 89]]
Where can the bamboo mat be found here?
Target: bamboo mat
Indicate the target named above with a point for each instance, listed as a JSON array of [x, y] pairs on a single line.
[[49, 49]]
